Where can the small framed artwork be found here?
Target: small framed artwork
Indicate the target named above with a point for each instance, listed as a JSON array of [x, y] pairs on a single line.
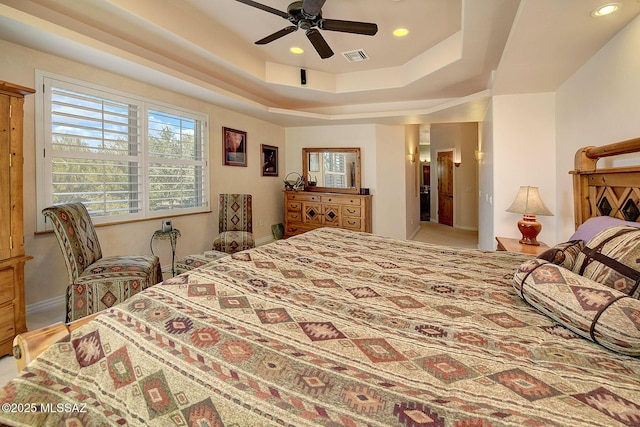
[[234, 144], [269, 160], [314, 162]]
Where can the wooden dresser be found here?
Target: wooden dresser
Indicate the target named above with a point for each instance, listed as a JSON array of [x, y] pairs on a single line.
[[12, 257], [306, 210]]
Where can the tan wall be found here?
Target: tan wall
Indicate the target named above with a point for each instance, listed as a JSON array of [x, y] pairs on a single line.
[[382, 163], [391, 167], [413, 178], [519, 122], [46, 276], [598, 105]]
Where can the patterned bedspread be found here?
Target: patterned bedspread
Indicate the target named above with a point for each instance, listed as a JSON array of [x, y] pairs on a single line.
[[330, 328]]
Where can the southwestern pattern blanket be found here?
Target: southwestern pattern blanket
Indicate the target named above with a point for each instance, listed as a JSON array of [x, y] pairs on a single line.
[[331, 328]]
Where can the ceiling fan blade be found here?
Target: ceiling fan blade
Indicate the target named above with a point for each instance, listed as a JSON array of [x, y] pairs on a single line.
[[275, 36], [312, 7], [319, 43], [366, 28], [266, 8]]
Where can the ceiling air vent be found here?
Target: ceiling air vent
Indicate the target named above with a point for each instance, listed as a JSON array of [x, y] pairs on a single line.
[[356, 55]]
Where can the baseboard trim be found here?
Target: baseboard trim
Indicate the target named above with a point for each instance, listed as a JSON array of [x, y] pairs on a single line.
[[459, 227], [415, 233], [45, 305], [264, 240]]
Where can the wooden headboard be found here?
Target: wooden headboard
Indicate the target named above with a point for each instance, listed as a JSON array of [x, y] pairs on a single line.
[[606, 192]]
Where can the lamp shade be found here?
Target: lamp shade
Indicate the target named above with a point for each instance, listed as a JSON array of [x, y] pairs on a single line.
[[529, 202]]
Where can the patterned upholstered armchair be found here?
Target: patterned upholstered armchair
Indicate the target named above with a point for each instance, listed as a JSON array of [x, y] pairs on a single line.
[[96, 283], [234, 223]]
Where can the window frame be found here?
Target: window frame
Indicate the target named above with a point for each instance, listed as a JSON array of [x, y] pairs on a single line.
[[45, 156]]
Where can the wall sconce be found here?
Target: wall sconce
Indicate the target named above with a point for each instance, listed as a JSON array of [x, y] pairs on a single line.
[[479, 155], [415, 154], [456, 158]]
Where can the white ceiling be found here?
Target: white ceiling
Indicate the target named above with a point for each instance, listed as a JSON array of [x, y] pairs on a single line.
[[457, 54]]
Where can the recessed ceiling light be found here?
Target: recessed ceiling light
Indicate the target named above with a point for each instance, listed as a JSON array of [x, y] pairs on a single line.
[[606, 9], [400, 32], [296, 50]]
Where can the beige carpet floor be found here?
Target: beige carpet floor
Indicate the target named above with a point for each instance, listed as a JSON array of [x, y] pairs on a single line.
[[432, 232]]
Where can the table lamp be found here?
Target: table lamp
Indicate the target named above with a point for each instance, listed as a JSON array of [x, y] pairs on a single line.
[[529, 203]]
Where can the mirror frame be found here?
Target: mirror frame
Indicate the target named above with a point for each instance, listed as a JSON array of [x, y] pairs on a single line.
[[305, 169]]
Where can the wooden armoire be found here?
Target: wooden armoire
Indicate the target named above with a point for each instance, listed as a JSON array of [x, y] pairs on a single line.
[[12, 256]]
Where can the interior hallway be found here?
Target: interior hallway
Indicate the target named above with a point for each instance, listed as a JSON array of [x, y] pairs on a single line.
[[432, 232]]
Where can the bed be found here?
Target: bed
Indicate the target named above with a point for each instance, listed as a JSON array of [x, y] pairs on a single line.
[[330, 328]]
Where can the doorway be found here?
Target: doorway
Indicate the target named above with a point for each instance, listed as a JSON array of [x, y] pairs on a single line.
[[425, 193], [445, 187]]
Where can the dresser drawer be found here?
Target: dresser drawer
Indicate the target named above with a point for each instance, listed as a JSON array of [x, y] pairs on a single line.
[[293, 229], [343, 200], [294, 206], [305, 211], [7, 322], [352, 211], [352, 223], [294, 216], [306, 197], [6, 285]]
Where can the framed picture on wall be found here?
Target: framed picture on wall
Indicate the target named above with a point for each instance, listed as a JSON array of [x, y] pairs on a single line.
[[234, 144], [269, 160]]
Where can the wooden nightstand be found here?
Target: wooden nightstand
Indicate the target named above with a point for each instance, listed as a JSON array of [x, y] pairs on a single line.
[[513, 245]]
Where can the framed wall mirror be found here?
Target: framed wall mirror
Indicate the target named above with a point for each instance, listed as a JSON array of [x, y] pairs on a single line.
[[331, 169]]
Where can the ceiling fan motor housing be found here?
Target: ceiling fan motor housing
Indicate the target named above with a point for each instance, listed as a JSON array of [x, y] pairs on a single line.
[[299, 17], [310, 19]]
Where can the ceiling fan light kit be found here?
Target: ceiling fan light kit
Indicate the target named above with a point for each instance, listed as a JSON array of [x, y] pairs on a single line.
[[307, 15]]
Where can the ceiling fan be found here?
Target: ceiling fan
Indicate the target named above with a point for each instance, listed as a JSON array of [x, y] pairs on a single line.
[[307, 15]]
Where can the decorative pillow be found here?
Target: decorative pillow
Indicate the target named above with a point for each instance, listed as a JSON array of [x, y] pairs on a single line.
[[563, 254], [594, 225], [594, 311], [612, 258]]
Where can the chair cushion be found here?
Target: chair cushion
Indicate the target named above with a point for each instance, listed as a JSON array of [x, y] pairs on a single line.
[[590, 309], [190, 262], [612, 258], [233, 241], [128, 266], [110, 281]]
